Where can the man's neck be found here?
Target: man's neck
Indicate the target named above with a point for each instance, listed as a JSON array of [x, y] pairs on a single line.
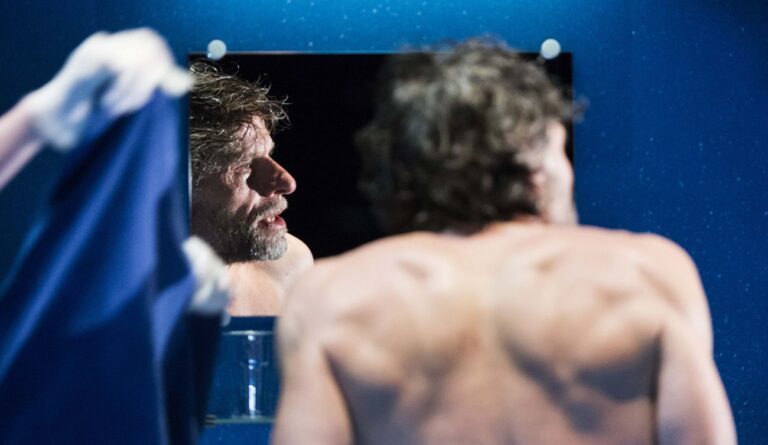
[[254, 291], [493, 227]]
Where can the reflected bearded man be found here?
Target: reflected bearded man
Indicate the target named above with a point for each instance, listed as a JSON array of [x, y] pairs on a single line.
[[239, 190], [492, 318]]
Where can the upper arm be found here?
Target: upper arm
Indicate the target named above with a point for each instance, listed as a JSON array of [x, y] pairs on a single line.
[[312, 408], [692, 407], [677, 274], [18, 141]]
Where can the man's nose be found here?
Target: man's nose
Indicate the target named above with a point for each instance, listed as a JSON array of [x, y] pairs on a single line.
[[269, 178]]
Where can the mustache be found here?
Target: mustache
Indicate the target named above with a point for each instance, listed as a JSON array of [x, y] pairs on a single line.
[[278, 205]]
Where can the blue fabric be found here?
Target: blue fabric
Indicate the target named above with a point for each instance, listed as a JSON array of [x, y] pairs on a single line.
[[94, 337]]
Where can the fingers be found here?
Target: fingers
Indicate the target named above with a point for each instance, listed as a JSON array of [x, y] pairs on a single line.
[[212, 281], [89, 46], [205, 264], [134, 88], [130, 91], [176, 82], [143, 63], [123, 95]]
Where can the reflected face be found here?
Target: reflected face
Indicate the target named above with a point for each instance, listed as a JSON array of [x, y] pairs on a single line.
[[555, 179], [237, 210]]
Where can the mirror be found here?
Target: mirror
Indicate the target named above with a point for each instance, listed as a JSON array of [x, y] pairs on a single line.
[[330, 97]]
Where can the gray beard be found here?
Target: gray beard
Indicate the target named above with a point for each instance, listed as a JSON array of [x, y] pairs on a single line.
[[238, 240], [242, 243]]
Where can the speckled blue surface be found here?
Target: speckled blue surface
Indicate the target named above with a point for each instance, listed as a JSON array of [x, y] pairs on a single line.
[[674, 140]]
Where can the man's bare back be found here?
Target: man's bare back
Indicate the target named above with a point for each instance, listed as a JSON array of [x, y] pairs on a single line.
[[522, 334]]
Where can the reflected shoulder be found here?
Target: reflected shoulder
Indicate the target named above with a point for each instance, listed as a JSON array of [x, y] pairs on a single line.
[[299, 253]]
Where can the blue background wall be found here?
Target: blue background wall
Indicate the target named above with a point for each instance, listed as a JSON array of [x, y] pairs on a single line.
[[674, 140]]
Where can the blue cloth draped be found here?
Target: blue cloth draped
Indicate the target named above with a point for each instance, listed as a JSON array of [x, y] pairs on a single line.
[[96, 345]]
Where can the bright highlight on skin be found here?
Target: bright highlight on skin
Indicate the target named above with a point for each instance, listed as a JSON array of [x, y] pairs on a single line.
[[216, 49], [550, 49]]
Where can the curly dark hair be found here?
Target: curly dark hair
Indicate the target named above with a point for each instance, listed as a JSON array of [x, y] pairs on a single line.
[[222, 107], [454, 139]]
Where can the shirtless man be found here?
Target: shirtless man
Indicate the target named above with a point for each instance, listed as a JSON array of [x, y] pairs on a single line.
[[238, 190], [497, 320]]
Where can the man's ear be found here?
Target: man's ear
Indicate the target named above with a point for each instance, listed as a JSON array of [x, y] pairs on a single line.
[[540, 193], [539, 180]]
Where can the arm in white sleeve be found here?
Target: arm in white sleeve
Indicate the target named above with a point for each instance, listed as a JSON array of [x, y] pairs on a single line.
[[211, 295], [114, 73]]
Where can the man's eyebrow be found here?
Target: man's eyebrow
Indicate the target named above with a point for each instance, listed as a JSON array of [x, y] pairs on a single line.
[[250, 154], [271, 149], [259, 150]]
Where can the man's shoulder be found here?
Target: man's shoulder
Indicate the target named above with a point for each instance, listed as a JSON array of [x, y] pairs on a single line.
[[372, 269], [423, 248], [644, 243], [663, 267], [658, 253], [658, 258], [384, 251], [666, 265]]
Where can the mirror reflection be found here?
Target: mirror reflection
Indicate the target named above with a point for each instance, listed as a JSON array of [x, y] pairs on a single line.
[[275, 168], [275, 181]]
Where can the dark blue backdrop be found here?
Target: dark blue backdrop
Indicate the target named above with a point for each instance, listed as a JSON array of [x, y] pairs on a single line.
[[674, 140]]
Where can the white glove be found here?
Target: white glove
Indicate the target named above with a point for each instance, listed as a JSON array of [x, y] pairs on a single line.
[[115, 72], [211, 279]]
